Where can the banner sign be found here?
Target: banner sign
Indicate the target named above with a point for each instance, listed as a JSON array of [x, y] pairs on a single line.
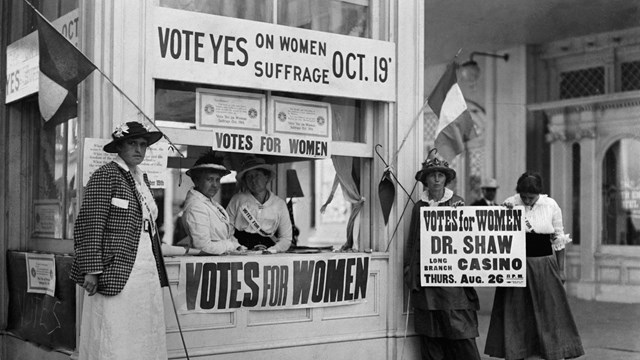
[[260, 143], [23, 59], [154, 164], [226, 283], [204, 48], [481, 246]]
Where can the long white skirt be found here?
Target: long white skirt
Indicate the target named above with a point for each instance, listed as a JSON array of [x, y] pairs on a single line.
[[131, 324]]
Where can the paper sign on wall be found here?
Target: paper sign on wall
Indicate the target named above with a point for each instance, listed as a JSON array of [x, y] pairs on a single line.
[[154, 164]]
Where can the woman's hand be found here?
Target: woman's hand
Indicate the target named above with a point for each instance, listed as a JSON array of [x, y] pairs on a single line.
[[563, 276], [508, 205], [90, 284]]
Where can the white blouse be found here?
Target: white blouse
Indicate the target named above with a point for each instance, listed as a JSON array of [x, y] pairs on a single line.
[[543, 217]]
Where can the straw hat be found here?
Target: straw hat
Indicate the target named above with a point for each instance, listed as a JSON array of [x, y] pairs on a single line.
[[209, 162], [435, 163], [489, 184], [253, 163], [131, 130]]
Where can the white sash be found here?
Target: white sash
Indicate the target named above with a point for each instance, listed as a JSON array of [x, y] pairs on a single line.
[[255, 224]]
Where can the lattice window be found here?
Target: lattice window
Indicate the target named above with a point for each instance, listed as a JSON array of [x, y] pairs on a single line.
[[630, 76], [581, 83]]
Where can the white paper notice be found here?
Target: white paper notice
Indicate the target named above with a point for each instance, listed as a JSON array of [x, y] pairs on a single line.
[[41, 270]]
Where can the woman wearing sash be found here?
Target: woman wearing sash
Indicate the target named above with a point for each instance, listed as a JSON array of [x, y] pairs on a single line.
[[117, 258], [536, 320], [205, 221], [261, 218]]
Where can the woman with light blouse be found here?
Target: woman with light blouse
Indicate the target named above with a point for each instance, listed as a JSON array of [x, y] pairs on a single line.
[[206, 222], [536, 320], [260, 217]]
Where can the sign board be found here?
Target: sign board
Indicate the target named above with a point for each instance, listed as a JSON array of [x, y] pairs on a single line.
[[229, 109], [226, 283], [204, 48], [48, 215], [299, 117], [23, 68], [480, 246], [154, 164]]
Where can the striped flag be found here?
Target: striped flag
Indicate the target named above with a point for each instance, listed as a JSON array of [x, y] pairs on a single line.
[[455, 126], [62, 68]]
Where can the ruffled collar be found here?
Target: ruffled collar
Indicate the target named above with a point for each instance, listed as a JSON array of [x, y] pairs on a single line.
[[448, 194]]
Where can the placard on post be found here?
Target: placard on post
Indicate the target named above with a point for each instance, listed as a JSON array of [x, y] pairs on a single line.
[[482, 246]]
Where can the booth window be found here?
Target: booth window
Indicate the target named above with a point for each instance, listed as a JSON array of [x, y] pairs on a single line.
[[346, 17], [621, 193], [334, 189]]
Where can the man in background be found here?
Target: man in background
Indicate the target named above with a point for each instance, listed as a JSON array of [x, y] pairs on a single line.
[[489, 188]]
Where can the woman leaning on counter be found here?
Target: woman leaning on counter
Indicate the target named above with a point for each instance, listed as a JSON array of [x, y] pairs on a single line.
[[260, 217], [206, 222]]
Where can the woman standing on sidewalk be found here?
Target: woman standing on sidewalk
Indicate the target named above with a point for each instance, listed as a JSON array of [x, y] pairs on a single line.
[[445, 317], [536, 320]]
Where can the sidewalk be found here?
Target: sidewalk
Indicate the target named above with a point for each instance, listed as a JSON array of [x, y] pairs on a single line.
[[609, 331]]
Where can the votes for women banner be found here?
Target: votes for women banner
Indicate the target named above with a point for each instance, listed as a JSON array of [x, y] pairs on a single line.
[[287, 281], [472, 246]]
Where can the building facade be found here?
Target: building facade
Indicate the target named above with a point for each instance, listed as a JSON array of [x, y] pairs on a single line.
[[573, 102]]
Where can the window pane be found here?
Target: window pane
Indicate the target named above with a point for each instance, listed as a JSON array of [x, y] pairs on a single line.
[[621, 193], [331, 224], [73, 144], [338, 17], [53, 182], [258, 10]]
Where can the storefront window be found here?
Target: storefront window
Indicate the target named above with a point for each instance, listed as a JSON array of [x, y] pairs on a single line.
[[346, 17], [54, 147], [56, 188], [176, 107], [621, 193], [258, 10]]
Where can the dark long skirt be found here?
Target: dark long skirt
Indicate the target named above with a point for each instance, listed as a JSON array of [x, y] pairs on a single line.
[[535, 320]]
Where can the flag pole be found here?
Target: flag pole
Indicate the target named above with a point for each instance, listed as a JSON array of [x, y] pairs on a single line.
[[415, 119], [111, 82], [401, 215]]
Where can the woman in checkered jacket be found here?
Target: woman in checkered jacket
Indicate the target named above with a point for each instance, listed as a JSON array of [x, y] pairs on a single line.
[[117, 258]]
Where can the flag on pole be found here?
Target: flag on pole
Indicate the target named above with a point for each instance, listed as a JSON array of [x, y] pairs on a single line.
[[455, 126], [62, 68]]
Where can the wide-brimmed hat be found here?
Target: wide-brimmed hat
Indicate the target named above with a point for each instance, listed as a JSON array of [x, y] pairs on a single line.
[[253, 163], [209, 162], [435, 163], [489, 184], [131, 130]]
